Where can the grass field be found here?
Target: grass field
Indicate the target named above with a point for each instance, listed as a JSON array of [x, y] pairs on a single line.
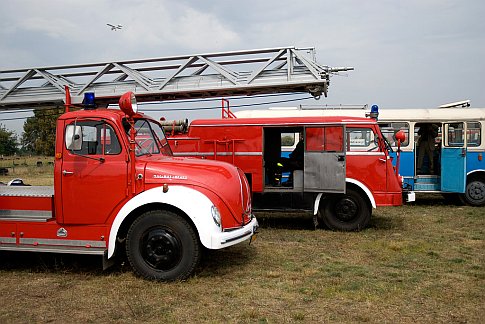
[[417, 263], [36, 171]]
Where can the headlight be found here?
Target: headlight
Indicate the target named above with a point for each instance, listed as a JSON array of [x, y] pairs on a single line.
[[216, 215]]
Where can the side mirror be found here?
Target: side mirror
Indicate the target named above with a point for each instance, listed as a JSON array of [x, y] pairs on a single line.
[[74, 137], [401, 136]]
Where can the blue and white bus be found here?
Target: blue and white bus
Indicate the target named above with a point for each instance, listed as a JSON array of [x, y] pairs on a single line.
[[457, 168]]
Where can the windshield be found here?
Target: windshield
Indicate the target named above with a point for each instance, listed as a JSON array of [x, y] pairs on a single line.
[[149, 138]]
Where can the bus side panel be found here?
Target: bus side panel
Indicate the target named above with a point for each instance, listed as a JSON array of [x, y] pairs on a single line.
[[474, 161], [406, 168]]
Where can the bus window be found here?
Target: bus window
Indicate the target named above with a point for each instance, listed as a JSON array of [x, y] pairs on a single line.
[[456, 136], [288, 143], [361, 140], [288, 139], [389, 131], [473, 136]]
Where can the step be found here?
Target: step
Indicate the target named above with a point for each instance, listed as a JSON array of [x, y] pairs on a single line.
[[25, 215], [26, 191], [427, 179], [427, 187]]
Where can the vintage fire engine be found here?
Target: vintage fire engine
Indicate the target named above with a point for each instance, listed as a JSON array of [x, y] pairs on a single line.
[[115, 180], [116, 183], [339, 170]]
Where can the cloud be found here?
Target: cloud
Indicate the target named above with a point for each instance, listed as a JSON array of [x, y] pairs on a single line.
[[406, 53], [52, 27], [78, 30]]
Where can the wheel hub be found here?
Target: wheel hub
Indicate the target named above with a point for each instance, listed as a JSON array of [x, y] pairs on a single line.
[[476, 190], [161, 249], [346, 209]]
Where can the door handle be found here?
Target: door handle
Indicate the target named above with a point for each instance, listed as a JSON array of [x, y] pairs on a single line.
[[382, 160], [65, 172], [341, 158]]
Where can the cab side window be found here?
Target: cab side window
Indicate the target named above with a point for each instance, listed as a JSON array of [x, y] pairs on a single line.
[[93, 137], [361, 140]]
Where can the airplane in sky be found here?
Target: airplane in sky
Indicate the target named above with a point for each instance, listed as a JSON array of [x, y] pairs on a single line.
[[115, 27]]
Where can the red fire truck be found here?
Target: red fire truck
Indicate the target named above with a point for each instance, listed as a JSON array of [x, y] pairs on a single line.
[[116, 183], [340, 170]]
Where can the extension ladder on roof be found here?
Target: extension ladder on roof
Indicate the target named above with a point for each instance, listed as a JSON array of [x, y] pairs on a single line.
[[262, 71]]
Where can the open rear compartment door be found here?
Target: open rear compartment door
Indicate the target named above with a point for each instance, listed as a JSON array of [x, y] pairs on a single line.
[[324, 159]]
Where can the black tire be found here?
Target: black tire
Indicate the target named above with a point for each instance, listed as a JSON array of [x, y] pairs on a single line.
[[474, 193], [346, 212], [162, 246]]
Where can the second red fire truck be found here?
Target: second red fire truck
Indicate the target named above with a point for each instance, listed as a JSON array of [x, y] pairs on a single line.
[[340, 169]]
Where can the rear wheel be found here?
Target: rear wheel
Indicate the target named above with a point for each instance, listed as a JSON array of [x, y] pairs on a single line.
[[161, 245], [346, 212], [474, 193]]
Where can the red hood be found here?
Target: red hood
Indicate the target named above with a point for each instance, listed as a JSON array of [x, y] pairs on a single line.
[[222, 179]]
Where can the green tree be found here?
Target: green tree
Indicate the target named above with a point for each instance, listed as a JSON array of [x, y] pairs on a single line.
[[8, 141], [40, 131]]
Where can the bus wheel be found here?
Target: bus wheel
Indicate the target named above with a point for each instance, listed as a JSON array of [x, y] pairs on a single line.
[[346, 212], [474, 193], [161, 245]]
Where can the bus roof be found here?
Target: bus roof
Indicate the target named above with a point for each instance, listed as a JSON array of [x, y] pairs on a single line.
[[414, 114]]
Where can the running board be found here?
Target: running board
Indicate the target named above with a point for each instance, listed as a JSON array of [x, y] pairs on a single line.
[[25, 215]]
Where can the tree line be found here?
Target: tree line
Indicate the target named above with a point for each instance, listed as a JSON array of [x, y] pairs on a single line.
[[38, 138]]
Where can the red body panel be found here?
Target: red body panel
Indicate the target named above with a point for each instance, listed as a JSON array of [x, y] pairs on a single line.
[[49, 229], [240, 141], [26, 203]]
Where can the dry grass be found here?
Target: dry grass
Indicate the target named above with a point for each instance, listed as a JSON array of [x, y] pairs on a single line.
[[420, 263], [27, 169]]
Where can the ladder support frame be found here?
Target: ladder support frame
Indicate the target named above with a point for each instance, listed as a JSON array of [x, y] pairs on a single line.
[[225, 74]]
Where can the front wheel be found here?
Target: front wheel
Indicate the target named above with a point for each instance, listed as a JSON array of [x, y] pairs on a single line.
[[161, 245], [346, 212], [474, 193]]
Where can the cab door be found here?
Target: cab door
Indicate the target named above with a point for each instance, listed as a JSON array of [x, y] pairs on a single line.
[[94, 172], [324, 159], [453, 157]]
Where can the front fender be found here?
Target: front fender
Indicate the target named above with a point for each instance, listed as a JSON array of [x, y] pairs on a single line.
[[192, 202], [365, 189], [347, 180]]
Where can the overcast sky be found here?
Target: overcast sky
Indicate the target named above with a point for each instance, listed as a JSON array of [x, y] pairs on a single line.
[[407, 54]]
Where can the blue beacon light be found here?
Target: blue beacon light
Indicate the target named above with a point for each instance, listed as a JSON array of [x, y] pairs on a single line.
[[88, 101], [374, 112]]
